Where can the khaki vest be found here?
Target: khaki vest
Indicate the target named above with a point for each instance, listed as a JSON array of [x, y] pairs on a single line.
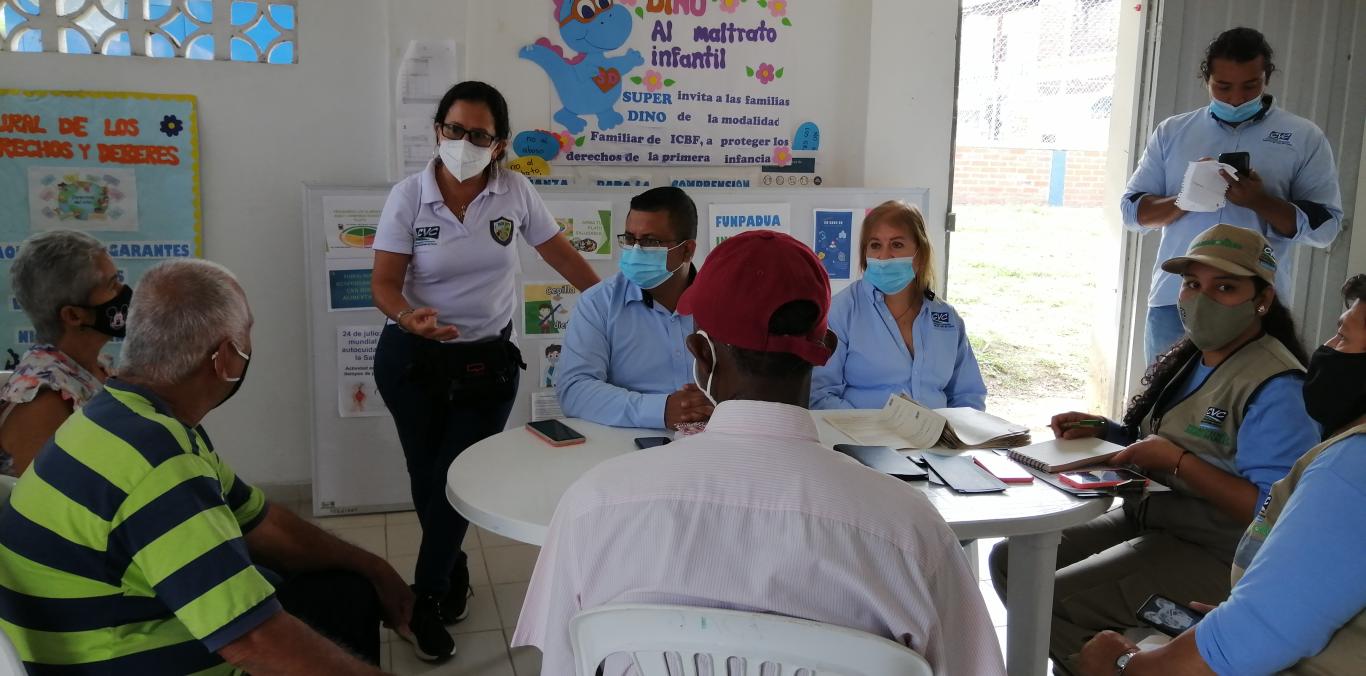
[[1346, 651], [1206, 423]]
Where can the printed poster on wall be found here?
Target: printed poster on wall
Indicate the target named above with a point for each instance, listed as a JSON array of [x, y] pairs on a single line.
[[729, 220], [549, 360], [547, 307], [348, 286], [834, 240], [350, 223], [673, 82], [588, 225], [122, 167], [357, 396]]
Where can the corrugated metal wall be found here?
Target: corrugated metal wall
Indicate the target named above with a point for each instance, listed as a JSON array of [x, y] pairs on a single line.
[[1316, 77]]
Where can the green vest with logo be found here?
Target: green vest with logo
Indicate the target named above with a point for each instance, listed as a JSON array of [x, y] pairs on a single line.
[[1346, 651], [1206, 423]]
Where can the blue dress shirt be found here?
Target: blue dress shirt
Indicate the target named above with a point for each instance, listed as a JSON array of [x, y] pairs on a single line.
[[872, 362], [623, 356]]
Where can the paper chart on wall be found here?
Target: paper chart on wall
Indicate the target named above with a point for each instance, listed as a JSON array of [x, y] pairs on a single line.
[[588, 225], [545, 406], [357, 396], [729, 220], [547, 307], [428, 69], [348, 285], [350, 223]]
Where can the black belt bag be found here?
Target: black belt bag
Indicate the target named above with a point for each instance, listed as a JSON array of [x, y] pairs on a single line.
[[468, 373]]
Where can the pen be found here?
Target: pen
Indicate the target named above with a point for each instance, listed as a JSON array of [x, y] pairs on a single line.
[[1090, 422]]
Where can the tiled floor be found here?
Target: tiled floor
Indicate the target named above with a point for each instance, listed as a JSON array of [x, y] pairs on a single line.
[[499, 571]]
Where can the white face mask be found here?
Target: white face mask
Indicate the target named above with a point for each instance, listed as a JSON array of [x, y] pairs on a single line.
[[706, 390], [464, 159]]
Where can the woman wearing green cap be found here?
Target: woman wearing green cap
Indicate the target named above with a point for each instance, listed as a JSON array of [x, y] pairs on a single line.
[[1222, 418]]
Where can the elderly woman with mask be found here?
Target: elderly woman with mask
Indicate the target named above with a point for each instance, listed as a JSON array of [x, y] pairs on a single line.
[[69, 288]]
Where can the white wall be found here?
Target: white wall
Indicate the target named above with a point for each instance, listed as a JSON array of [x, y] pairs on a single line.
[[1357, 255], [267, 129]]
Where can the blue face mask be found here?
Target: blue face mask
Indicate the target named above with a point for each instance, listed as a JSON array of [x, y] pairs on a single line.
[[1235, 114], [891, 275], [647, 268]]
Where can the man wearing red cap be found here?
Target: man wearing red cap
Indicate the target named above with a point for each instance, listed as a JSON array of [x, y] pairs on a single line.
[[754, 513]]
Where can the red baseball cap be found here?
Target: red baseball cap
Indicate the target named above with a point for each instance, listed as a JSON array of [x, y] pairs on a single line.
[[745, 280]]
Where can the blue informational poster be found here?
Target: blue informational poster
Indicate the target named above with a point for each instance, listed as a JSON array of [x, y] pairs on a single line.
[[833, 245], [349, 290], [123, 167]]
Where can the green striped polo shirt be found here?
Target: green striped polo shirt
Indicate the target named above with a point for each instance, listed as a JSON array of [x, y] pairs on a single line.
[[121, 550]]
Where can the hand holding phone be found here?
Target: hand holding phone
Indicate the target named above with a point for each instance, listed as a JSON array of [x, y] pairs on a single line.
[[1102, 477], [1168, 616], [1241, 161], [555, 433]]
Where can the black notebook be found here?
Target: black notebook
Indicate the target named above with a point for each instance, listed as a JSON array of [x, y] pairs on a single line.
[[885, 460]]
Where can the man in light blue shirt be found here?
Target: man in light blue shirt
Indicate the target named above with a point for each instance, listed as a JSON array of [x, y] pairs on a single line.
[[1291, 194], [624, 362]]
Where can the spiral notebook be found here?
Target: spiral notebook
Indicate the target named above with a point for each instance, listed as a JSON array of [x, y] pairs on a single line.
[[1065, 455]]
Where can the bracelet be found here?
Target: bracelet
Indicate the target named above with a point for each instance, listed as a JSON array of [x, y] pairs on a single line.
[[1177, 471], [398, 319]]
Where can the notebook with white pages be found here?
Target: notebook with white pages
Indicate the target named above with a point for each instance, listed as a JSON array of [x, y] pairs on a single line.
[[1064, 455], [903, 423]]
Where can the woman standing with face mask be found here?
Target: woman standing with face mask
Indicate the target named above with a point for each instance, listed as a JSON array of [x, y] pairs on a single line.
[[69, 288], [895, 336], [1222, 419], [446, 366]]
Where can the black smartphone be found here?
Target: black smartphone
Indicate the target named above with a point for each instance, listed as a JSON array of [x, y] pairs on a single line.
[[1240, 161], [883, 459], [650, 442], [555, 433], [1168, 616]]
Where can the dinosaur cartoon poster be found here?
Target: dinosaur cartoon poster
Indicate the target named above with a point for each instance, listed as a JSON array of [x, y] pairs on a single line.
[[673, 82]]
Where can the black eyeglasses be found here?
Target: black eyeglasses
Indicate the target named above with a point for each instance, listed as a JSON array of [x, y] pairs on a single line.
[[456, 132], [627, 239]]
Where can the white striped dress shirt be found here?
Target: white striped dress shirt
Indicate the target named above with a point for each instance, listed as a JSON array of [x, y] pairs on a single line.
[[755, 514]]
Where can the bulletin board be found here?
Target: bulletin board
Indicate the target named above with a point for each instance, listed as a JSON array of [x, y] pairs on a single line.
[[121, 166], [357, 462]]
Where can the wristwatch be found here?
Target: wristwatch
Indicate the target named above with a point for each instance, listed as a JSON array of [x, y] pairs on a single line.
[[1123, 662]]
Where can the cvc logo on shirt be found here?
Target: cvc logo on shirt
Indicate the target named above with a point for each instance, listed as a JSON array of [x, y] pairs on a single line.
[[427, 235], [1279, 138], [941, 320]]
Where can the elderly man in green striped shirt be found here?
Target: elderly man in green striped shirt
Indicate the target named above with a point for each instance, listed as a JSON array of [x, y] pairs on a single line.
[[129, 546]]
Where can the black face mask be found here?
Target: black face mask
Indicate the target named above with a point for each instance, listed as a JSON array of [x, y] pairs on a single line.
[[1335, 388], [237, 385], [111, 316]]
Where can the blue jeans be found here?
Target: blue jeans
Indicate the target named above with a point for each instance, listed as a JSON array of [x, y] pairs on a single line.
[[1163, 331], [432, 431]]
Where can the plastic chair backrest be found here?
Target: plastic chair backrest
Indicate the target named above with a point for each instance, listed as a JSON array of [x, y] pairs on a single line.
[[674, 640]]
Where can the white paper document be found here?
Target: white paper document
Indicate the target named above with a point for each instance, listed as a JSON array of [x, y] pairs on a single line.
[[1203, 189], [903, 423], [545, 406]]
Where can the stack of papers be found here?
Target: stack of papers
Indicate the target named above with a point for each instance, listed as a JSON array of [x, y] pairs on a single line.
[[902, 423], [1203, 189]]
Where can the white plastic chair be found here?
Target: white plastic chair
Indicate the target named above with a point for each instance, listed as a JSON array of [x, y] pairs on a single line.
[[651, 632], [10, 664]]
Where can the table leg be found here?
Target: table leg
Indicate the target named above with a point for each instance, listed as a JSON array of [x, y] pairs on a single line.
[[1029, 602]]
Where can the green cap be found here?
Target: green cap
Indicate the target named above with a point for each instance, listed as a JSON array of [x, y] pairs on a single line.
[[1234, 250]]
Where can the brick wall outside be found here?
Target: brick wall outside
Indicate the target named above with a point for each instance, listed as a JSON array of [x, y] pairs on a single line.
[[989, 175]]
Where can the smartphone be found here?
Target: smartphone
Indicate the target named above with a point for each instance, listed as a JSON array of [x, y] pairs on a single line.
[[1002, 468], [555, 433], [1240, 161], [1101, 477], [650, 442], [1168, 616]]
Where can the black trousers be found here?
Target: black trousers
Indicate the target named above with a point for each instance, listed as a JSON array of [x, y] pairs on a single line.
[[433, 432], [340, 605]]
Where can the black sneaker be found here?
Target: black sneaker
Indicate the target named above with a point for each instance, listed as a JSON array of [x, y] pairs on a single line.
[[431, 642], [455, 607]]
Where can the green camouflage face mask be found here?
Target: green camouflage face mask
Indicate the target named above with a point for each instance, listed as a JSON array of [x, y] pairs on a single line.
[[1211, 324]]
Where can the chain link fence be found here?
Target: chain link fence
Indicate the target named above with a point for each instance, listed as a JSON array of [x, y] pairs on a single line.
[[1037, 73]]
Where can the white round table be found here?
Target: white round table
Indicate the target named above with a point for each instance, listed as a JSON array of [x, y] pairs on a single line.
[[511, 482]]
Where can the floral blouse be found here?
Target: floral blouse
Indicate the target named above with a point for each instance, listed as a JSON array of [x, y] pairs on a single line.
[[46, 366]]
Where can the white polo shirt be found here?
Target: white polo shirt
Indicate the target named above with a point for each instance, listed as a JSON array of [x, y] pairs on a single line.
[[466, 270]]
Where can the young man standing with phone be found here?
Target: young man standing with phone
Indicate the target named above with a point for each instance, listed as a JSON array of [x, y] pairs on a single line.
[[1289, 192]]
